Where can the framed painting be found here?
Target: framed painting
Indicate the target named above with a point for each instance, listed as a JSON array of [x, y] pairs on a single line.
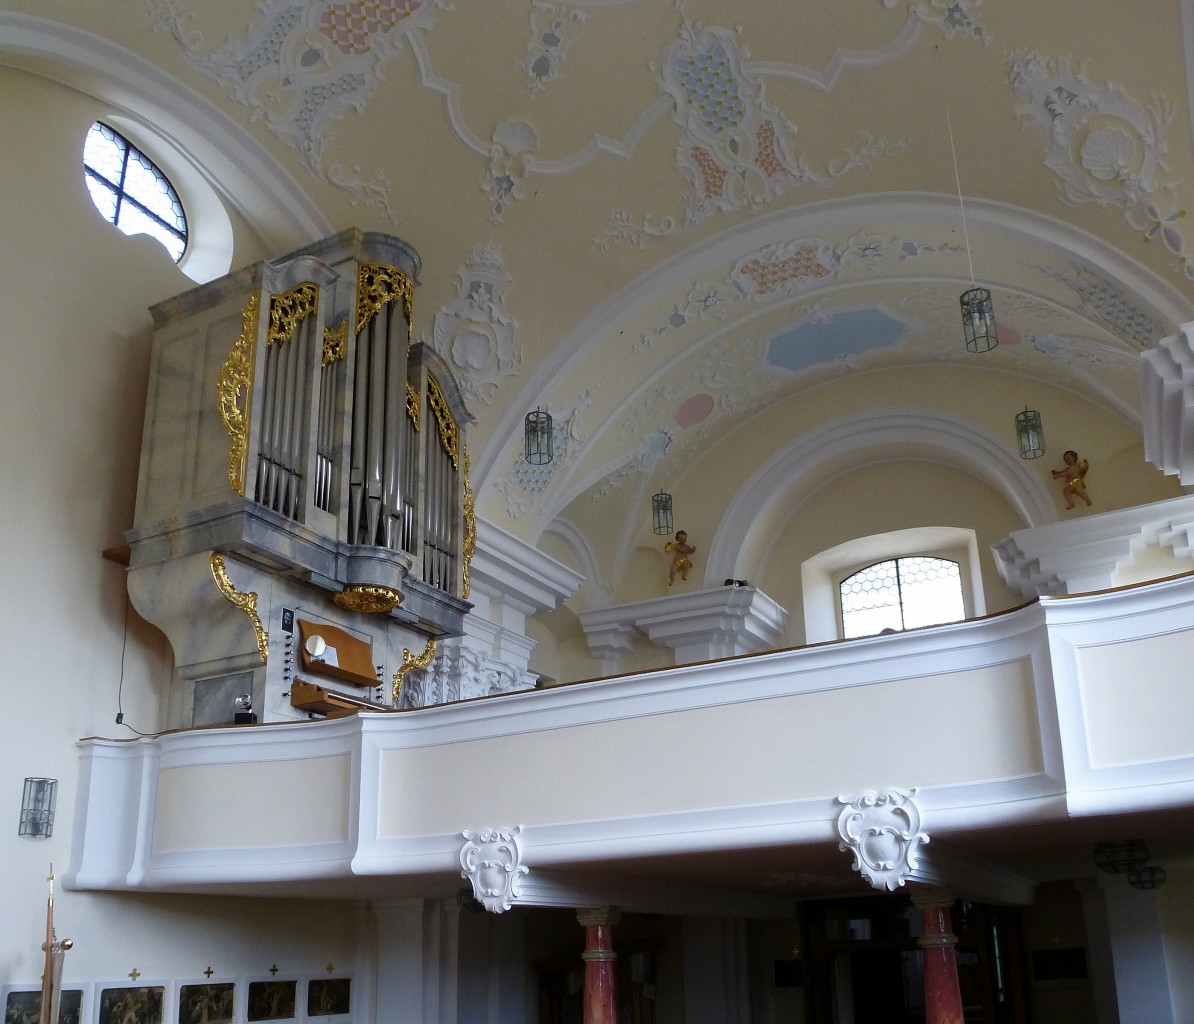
[[330, 1000], [206, 1002], [272, 999], [23, 1005], [141, 1004]]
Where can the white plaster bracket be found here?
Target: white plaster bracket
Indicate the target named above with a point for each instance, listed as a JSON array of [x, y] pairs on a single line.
[[491, 859], [882, 830]]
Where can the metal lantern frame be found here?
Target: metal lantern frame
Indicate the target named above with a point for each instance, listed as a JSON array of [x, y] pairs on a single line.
[[978, 320], [1030, 434], [661, 513], [538, 438]]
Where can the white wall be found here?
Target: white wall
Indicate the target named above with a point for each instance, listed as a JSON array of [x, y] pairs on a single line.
[[75, 335]]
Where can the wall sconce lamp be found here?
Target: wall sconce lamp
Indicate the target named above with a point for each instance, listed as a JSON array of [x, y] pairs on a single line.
[[37, 808]]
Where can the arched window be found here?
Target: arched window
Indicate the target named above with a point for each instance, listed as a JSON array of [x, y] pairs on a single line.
[[901, 593], [131, 191]]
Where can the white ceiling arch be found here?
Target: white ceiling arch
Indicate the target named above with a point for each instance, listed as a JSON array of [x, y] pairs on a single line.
[[951, 441], [631, 307]]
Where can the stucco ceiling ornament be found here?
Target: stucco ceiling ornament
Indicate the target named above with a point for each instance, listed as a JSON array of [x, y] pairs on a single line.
[[788, 269], [704, 302], [1105, 147], [525, 485], [951, 17], [1071, 349], [475, 332], [554, 28], [510, 154], [491, 859], [302, 67], [735, 149], [1102, 299], [882, 829]]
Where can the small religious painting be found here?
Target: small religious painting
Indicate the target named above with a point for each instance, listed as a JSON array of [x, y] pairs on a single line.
[[207, 1003], [25, 1007], [329, 997], [272, 1000], [142, 1005]]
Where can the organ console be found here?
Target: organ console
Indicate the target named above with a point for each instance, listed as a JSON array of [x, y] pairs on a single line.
[[319, 700]]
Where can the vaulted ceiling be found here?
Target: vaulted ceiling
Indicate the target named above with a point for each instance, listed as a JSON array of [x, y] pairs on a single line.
[[673, 222]]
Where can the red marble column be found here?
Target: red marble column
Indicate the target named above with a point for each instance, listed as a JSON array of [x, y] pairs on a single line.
[[943, 997], [601, 1006]]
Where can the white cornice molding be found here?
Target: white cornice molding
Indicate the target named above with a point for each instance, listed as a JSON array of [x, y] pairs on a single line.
[[712, 623], [1080, 555], [514, 570], [242, 170], [1166, 400]]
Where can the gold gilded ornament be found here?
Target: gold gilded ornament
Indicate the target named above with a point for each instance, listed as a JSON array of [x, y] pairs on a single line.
[[470, 526], [410, 661], [368, 597], [287, 309], [234, 381], [377, 284], [335, 343], [246, 602], [449, 433], [412, 405]]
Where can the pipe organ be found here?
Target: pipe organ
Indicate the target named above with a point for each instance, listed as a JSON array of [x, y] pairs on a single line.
[[302, 459]]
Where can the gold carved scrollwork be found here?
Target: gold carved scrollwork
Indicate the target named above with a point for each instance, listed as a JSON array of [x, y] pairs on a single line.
[[410, 661], [377, 284], [234, 381], [246, 602], [335, 342], [449, 433], [368, 597], [287, 309], [412, 405], [470, 526]]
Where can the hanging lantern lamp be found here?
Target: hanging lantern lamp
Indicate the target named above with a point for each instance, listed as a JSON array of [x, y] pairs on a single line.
[[978, 320], [538, 438], [1030, 434], [661, 513]]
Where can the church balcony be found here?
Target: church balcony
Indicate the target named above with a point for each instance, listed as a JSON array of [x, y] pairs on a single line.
[[1016, 728]]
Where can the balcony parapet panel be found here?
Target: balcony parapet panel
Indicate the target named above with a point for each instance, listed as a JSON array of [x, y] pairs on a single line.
[[1063, 707]]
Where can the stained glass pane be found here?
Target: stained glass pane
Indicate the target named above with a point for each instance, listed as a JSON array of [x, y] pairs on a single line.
[[130, 191]]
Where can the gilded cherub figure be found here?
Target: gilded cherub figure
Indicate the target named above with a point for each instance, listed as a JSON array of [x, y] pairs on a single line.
[[679, 549], [1075, 478]]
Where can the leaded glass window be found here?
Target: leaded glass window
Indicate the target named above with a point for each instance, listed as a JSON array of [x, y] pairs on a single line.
[[901, 593], [131, 191]]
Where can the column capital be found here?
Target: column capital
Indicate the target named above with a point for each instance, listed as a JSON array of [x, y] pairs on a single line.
[[589, 916], [931, 897]]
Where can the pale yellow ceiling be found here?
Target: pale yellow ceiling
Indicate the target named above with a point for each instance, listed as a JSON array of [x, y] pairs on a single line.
[[687, 220]]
